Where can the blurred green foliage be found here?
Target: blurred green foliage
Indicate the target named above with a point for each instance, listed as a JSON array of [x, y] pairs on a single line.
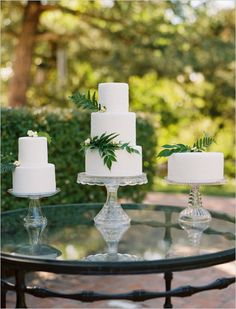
[[68, 128], [177, 57]]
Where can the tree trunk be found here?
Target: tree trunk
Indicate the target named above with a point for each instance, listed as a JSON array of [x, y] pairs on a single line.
[[23, 55]]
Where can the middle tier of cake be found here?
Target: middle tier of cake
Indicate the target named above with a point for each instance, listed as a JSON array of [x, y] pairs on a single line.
[[123, 124]]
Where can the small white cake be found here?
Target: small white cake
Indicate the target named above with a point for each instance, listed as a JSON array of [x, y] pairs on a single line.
[[196, 167], [35, 174], [116, 119]]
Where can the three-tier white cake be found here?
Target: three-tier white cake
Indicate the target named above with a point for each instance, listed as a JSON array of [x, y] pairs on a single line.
[[116, 119], [34, 175]]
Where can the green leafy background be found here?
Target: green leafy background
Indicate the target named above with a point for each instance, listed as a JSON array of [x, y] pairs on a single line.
[[179, 61]]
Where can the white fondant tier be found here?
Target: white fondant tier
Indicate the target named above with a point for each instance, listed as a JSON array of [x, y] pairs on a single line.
[[123, 124], [32, 150], [128, 164], [40, 179], [196, 167], [114, 96]]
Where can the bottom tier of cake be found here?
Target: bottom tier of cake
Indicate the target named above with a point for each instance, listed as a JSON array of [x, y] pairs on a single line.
[[34, 179], [196, 167], [127, 164]]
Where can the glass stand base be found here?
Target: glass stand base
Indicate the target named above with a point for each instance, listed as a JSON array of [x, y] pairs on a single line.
[[39, 251], [109, 257]]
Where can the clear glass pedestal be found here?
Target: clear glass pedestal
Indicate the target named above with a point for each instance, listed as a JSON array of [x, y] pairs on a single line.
[[112, 214], [35, 223], [112, 221], [195, 219]]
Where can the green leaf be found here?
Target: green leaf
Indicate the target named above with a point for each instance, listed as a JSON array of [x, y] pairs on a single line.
[[175, 148], [106, 146], [164, 153], [168, 146], [86, 102], [202, 143], [45, 134]]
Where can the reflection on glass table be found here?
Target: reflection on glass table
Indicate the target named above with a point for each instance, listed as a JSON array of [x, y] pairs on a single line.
[[154, 243], [154, 233]]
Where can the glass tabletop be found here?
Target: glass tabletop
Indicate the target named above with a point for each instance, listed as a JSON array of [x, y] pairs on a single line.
[[154, 234]]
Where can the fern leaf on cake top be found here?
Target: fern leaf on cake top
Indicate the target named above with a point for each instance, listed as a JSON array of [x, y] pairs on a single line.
[[200, 145], [88, 101]]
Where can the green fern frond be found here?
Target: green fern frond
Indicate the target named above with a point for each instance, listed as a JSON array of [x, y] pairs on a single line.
[[106, 146], [203, 143], [200, 145], [88, 101]]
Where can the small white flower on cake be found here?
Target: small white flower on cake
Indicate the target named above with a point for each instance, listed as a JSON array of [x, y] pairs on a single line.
[[16, 163], [87, 141], [103, 109], [31, 133]]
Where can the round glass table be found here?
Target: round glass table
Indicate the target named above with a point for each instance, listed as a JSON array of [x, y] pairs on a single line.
[[153, 243]]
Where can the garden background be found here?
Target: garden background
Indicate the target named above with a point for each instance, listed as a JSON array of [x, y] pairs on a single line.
[[177, 56]]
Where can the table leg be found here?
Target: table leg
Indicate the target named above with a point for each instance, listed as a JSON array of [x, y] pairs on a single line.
[[20, 289], [3, 297], [168, 276]]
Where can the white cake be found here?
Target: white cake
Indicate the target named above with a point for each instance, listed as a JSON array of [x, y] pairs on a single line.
[[35, 174], [116, 119], [196, 167]]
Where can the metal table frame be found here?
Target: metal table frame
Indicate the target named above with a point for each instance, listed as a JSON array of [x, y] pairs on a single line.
[[21, 265]]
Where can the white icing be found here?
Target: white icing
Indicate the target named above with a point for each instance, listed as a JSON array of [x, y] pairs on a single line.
[[35, 174], [34, 179], [127, 164], [123, 124], [32, 150], [114, 96], [196, 167]]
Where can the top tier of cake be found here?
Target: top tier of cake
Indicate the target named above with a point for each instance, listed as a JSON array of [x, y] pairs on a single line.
[[114, 96], [116, 118], [32, 151]]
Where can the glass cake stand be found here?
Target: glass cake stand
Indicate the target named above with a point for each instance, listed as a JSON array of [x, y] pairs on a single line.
[[112, 221], [112, 213], [195, 219], [35, 224]]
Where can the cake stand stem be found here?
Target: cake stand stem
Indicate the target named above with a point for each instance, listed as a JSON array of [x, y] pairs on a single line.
[[35, 223], [112, 213], [195, 198], [194, 219]]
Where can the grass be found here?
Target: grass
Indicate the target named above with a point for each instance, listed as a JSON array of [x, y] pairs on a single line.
[[226, 190]]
